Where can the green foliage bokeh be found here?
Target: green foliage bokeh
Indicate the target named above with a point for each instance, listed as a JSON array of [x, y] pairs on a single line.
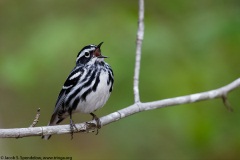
[[188, 47]]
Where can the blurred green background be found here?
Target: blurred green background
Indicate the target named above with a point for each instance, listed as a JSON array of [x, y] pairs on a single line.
[[189, 46]]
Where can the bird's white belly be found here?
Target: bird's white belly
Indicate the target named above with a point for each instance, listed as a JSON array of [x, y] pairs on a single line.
[[97, 99]]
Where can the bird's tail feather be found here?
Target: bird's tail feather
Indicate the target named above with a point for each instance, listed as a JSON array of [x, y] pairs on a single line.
[[54, 121]]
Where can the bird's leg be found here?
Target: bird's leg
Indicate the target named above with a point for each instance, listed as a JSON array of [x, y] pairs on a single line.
[[94, 117], [72, 125]]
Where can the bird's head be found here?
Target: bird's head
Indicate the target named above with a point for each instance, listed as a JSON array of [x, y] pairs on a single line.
[[90, 53]]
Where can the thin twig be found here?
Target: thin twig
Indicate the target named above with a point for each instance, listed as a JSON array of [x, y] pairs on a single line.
[[36, 119], [140, 34], [227, 103], [125, 112]]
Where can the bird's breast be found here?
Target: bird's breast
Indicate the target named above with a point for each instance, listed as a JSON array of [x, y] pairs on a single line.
[[98, 96]]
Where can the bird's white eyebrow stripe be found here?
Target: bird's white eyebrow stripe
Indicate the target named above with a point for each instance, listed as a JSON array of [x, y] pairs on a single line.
[[75, 75], [89, 49]]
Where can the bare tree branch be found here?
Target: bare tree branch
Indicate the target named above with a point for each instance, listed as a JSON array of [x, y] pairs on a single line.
[[140, 34], [125, 112], [115, 116]]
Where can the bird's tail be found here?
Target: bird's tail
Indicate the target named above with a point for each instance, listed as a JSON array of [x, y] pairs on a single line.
[[47, 137], [54, 121]]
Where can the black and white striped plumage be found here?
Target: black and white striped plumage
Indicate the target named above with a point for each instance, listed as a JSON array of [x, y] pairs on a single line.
[[87, 88]]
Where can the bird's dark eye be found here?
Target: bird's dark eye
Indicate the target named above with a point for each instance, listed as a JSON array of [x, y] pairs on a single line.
[[87, 54]]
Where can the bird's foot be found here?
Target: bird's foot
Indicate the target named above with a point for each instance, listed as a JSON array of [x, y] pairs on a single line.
[[94, 117], [72, 127]]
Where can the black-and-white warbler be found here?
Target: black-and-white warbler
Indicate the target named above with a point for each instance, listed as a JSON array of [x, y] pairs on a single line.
[[86, 89]]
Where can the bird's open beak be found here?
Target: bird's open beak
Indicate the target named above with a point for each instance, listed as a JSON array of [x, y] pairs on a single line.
[[97, 53]]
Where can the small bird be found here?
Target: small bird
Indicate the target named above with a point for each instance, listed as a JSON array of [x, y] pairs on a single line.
[[86, 89]]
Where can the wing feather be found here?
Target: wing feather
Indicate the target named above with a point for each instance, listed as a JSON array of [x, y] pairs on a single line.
[[70, 82]]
